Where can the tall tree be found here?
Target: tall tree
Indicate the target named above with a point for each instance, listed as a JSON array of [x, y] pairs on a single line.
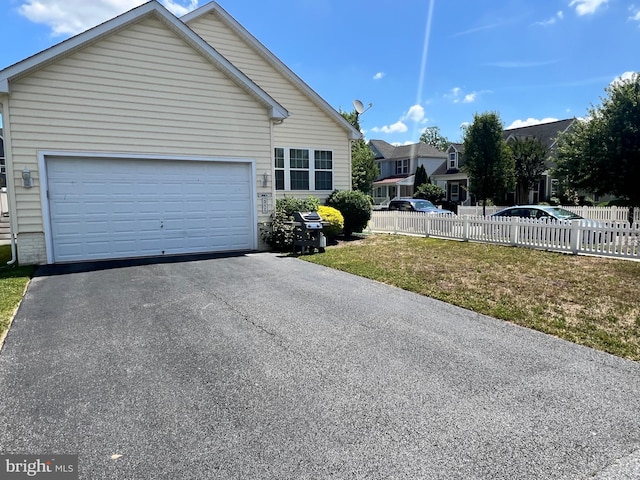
[[420, 178], [528, 155], [364, 169], [602, 154], [487, 161], [433, 137]]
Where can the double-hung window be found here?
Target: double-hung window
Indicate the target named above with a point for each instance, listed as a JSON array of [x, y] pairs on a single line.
[[299, 169], [402, 167], [303, 169], [323, 165], [453, 160]]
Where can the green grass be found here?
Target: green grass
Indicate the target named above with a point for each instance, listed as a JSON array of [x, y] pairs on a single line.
[[591, 301], [13, 281]]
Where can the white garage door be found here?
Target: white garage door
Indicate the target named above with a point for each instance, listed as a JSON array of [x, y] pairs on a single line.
[[122, 208]]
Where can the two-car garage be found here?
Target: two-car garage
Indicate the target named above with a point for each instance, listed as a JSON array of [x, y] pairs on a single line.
[[104, 208]]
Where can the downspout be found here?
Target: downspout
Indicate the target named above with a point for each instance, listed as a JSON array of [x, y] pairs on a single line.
[[10, 184]]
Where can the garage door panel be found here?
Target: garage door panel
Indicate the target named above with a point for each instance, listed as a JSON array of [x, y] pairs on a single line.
[[97, 211]]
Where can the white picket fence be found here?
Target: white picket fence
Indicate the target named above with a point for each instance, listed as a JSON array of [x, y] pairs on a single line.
[[606, 214], [615, 239]]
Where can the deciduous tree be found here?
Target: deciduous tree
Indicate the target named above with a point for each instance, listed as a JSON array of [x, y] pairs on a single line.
[[433, 137], [602, 154], [364, 169], [487, 161], [528, 155]]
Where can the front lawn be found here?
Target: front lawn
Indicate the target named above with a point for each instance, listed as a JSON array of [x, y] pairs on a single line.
[[591, 301], [13, 281]]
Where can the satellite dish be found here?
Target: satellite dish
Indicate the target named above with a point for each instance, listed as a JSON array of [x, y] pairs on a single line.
[[357, 104]]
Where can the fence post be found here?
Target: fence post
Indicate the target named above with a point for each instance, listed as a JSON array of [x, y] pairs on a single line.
[[515, 226], [575, 236], [427, 225], [465, 228]]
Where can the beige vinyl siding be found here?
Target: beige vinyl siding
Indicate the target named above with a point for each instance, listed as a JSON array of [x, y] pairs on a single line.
[[142, 90], [308, 125]]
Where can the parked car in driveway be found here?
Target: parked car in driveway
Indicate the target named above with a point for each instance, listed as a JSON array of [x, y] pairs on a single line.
[[417, 205]]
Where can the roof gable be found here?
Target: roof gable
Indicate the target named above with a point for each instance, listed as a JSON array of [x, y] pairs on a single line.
[[547, 133], [151, 8], [414, 150], [214, 7]]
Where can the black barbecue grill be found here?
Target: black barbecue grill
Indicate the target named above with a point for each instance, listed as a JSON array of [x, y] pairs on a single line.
[[307, 232]]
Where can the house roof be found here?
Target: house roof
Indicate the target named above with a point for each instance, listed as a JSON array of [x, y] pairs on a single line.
[[275, 61], [386, 151], [547, 133], [149, 9], [459, 147], [396, 180]]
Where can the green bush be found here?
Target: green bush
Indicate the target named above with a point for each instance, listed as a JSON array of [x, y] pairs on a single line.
[[430, 191], [354, 206], [279, 234], [335, 219]]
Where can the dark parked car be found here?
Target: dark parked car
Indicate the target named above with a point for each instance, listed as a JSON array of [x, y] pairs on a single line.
[[416, 205]]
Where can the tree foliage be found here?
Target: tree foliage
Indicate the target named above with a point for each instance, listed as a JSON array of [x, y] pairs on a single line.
[[364, 169], [430, 191], [433, 137], [420, 178], [528, 156], [601, 155], [486, 158]]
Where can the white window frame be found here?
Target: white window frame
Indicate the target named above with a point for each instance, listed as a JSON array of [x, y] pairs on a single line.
[[402, 167], [453, 160], [311, 170]]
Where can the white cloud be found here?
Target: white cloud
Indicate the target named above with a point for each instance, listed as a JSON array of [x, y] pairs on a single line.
[[530, 121], [378, 76], [625, 77], [558, 16], [587, 7], [69, 17], [415, 113], [635, 13], [470, 97], [397, 127], [458, 96]]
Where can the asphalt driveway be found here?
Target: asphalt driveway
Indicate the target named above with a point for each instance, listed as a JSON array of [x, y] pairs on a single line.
[[262, 367]]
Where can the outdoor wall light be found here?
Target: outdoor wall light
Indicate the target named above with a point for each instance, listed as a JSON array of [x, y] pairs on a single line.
[[27, 181], [265, 179]]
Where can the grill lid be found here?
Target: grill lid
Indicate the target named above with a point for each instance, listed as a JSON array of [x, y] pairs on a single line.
[[307, 217]]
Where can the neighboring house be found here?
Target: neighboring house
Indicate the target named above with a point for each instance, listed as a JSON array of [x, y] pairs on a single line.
[[454, 180], [398, 165], [451, 178], [548, 134], [152, 135]]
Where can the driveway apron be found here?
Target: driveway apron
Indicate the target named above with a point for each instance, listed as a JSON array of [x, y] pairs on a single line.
[[260, 366]]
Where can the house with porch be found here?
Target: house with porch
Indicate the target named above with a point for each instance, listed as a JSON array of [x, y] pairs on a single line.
[[397, 166]]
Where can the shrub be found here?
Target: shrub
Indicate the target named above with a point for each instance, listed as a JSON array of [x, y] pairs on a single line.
[[279, 235], [354, 206], [429, 191], [335, 219]]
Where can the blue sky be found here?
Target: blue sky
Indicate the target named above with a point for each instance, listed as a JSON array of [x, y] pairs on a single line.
[[420, 63]]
